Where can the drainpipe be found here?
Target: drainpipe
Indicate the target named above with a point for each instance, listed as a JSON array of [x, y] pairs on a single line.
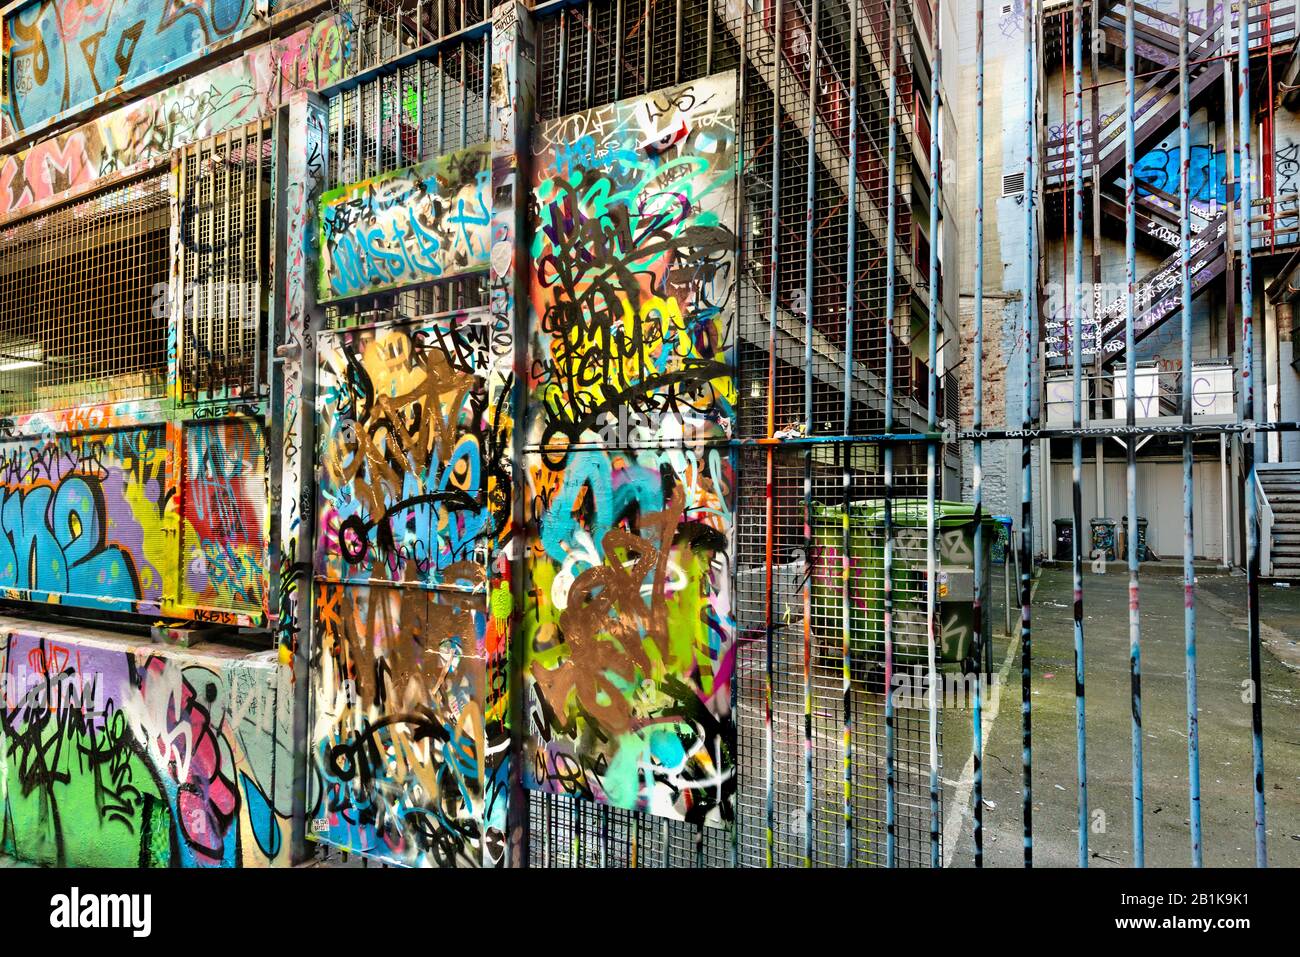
[[1289, 397]]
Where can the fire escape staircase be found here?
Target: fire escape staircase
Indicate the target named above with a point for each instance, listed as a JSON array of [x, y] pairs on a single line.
[[1159, 292]]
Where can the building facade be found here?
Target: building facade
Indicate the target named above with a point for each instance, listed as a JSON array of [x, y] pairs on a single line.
[[1217, 167]]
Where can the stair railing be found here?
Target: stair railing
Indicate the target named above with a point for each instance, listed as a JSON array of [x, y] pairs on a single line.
[[1265, 529]]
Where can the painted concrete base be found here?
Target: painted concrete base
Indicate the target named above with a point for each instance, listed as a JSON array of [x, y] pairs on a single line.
[[118, 752]]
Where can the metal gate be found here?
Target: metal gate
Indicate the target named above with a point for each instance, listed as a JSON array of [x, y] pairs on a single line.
[[757, 411]]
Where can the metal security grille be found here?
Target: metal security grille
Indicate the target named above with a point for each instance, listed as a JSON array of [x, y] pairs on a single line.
[[384, 29], [821, 361], [1171, 66], [83, 307], [225, 190], [398, 118], [418, 111], [599, 52]]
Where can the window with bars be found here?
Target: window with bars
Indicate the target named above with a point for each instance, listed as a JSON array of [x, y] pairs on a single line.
[[83, 307], [224, 213]]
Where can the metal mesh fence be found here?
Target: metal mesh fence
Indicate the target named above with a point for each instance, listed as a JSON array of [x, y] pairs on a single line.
[[385, 29], [82, 301], [421, 110], [602, 51], [596, 53]]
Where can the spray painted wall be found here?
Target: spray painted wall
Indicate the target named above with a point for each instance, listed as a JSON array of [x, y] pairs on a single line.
[[229, 95], [413, 225], [114, 751], [65, 53], [81, 519], [116, 754], [224, 516], [408, 732], [629, 630]]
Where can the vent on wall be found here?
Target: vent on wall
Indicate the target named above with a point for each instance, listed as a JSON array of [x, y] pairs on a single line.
[[1013, 184]]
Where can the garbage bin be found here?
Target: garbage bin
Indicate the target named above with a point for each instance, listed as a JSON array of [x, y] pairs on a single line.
[[1103, 539], [1064, 550], [954, 588], [1142, 538], [1002, 538]]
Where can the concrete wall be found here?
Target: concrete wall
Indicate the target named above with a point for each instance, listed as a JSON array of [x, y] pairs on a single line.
[[117, 752]]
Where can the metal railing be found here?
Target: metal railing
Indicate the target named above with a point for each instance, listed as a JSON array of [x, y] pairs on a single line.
[[1265, 529]]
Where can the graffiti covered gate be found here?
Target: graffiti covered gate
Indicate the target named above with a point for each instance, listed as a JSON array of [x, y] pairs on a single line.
[[614, 554], [407, 730]]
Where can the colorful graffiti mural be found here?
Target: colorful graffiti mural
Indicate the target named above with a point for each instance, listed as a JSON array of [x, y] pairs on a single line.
[[630, 651], [628, 621], [88, 517], [406, 456], [403, 736], [229, 95], [416, 224], [408, 670], [1207, 174], [633, 275], [82, 519], [64, 53], [223, 530], [115, 755]]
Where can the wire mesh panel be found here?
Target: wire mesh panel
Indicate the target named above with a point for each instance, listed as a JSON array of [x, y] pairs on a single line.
[[418, 111], [415, 113], [568, 832], [384, 29], [224, 234], [595, 53], [83, 305], [834, 259], [599, 52], [793, 565]]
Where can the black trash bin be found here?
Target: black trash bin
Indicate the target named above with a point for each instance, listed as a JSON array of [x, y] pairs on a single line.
[[1064, 549], [1143, 555]]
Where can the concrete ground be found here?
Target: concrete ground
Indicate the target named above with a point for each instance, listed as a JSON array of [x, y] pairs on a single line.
[[1224, 720]]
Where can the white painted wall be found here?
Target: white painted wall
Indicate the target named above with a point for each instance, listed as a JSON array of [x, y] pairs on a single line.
[[1159, 499]]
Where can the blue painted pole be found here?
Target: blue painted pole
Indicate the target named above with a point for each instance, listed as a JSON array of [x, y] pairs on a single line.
[[1076, 462], [1130, 374], [1189, 572], [1026, 452], [1244, 120]]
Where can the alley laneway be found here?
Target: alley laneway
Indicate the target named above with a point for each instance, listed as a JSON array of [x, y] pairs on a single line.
[[1224, 727]]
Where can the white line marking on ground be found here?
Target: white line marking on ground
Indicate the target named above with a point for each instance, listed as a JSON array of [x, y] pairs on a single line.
[[955, 826]]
